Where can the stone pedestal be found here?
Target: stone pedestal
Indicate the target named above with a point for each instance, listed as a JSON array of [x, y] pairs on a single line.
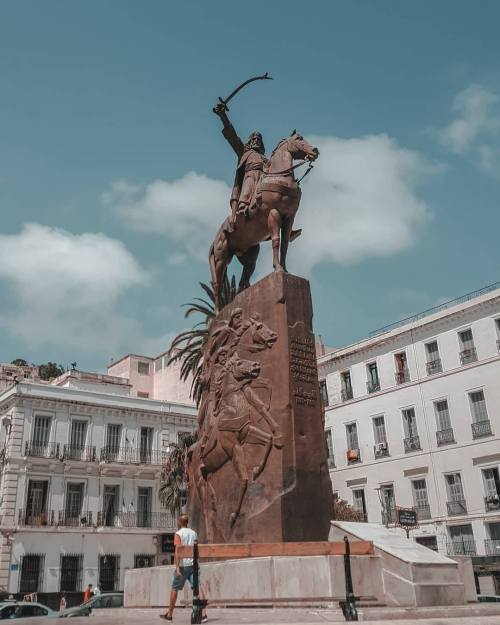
[[264, 408]]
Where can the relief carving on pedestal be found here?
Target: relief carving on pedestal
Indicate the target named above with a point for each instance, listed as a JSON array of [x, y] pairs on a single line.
[[234, 412]]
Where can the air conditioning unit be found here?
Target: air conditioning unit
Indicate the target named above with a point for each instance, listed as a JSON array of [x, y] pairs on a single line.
[[352, 455]]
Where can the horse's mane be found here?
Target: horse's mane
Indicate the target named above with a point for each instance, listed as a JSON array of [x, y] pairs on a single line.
[[278, 146]]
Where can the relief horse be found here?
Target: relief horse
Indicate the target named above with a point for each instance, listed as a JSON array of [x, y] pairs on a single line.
[[277, 201]]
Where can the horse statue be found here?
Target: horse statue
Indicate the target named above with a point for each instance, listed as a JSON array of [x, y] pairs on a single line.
[[277, 201]]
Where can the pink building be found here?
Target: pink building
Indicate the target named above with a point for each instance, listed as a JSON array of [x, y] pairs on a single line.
[[152, 378]]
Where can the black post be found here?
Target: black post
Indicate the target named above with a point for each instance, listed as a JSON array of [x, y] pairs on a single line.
[[198, 604], [348, 606]]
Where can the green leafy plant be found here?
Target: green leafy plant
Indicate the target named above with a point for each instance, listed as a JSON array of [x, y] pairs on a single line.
[[173, 484]]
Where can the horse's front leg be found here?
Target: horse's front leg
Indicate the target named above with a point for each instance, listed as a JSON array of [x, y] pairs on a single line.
[[286, 229], [274, 225], [241, 471]]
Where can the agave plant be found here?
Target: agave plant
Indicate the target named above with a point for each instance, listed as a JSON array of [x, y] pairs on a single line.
[[173, 484], [187, 347]]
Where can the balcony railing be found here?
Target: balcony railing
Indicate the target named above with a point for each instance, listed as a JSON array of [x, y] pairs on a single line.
[[381, 450], [129, 455], [492, 503], [402, 376], [373, 387], [434, 366], [492, 547], [68, 519], [481, 428], [389, 515], [157, 520], [423, 512], [42, 450], [445, 437], [75, 452], [346, 394], [30, 518], [468, 355], [353, 455], [412, 443], [464, 547], [456, 508]]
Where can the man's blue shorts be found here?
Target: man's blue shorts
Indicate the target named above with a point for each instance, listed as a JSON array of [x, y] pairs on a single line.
[[186, 575]]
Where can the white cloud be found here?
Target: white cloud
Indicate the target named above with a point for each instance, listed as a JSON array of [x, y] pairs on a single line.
[[66, 288], [187, 210], [360, 201]]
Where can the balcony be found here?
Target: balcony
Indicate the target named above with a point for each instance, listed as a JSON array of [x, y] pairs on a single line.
[[346, 394], [492, 547], [82, 519], [31, 518], [380, 450], [412, 443], [156, 520], [456, 508], [492, 503], [445, 437], [353, 456], [423, 512], [462, 547], [434, 366], [468, 355], [42, 450], [402, 376], [481, 428], [373, 387], [128, 455], [76, 452]]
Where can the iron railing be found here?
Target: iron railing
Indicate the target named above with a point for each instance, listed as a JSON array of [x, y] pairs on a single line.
[[464, 547], [29, 518], [481, 428], [160, 520], [372, 387], [389, 515], [434, 366], [457, 507], [492, 547], [83, 519], [423, 512], [130, 455], [412, 443], [42, 450], [445, 437], [381, 451], [402, 376], [77, 452], [492, 503], [468, 355], [346, 394]]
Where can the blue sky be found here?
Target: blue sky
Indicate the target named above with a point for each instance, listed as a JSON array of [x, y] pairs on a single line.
[[107, 139]]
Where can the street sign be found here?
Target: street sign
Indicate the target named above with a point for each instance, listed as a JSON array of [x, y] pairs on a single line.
[[407, 518]]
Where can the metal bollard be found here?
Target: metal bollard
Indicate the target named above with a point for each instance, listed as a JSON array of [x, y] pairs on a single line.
[[348, 606], [198, 604]]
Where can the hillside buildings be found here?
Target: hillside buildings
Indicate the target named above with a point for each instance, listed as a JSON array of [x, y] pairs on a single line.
[[413, 419], [80, 464]]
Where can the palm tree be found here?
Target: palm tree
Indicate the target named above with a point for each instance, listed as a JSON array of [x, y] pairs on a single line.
[[187, 347], [345, 512], [173, 482]]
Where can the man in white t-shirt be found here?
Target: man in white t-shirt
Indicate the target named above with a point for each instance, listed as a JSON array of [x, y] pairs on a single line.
[[183, 567]]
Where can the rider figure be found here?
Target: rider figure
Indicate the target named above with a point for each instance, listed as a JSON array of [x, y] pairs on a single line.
[[251, 161]]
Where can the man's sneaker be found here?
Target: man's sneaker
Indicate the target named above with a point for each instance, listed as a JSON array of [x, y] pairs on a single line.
[[166, 617], [204, 619]]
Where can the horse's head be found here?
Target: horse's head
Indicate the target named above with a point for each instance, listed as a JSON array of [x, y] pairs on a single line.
[[300, 148], [244, 369], [262, 336]]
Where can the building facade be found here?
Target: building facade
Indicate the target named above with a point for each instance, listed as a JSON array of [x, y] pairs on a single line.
[[412, 419], [80, 465]]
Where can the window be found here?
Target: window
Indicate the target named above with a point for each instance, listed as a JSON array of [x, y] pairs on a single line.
[[31, 576], [346, 386], [352, 436], [480, 421], [379, 430], [109, 572], [113, 440], [492, 489], [143, 394], [433, 363], [71, 573], [40, 436], [146, 445], [497, 327], [74, 501], [388, 503], [462, 541], [181, 436], [36, 502], [144, 497], [143, 367], [110, 505], [427, 541], [402, 373], [444, 433], [329, 448], [143, 561], [456, 499], [467, 349], [359, 502], [412, 440], [158, 364], [420, 499], [373, 383], [323, 392]]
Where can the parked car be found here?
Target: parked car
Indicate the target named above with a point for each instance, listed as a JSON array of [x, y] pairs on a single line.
[[489, 598], [25, 609], [97, 602]]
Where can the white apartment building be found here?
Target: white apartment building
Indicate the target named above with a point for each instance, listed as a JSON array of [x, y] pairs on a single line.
[[412, 419], [80, 465]]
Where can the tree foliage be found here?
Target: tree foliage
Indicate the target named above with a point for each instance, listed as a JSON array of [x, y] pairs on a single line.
[[174, 476], [19, 362], [342, 511], [50, 370]]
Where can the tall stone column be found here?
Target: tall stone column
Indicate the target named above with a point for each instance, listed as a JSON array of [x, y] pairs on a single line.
[[259, 472]]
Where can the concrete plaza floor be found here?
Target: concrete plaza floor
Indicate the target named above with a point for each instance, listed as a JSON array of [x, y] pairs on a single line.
[[482, 614]]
